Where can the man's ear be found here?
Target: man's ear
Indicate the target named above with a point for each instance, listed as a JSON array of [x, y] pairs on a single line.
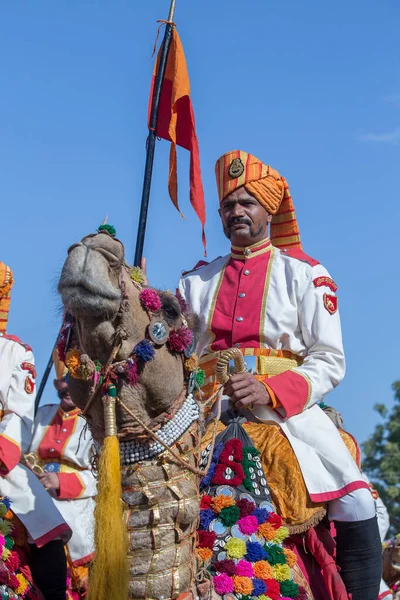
[[269, 219], [55, 382], [220, 212]]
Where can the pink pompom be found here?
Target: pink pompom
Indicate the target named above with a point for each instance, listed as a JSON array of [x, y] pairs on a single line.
[[12, 561], [150, 300], [223, 584], [180, 339], [244, 568], [248, 525]]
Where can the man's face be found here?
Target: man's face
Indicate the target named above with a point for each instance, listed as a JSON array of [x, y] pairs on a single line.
[[63, 394], [244, 220]]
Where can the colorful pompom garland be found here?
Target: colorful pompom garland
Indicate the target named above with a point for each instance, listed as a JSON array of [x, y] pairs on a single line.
[[256, 566], [13, 583]]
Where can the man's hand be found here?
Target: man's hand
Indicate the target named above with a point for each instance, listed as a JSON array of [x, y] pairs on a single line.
[[245, 391], [50, 482], [143, 267]]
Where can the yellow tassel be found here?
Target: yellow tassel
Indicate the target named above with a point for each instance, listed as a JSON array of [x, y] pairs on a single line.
[[109, 574]]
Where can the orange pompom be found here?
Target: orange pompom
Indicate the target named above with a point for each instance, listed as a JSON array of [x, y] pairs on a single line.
[[242, 585], [220, 502], [267, 531], [263, 570], [204, 553], [291, 558]]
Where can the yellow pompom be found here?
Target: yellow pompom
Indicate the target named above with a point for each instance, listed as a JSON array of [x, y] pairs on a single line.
[[23, 584], [281, 572], [281, 534], [235, 548]]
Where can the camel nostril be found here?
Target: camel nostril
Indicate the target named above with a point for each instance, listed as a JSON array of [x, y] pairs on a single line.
[[113, 260], [73, 247]]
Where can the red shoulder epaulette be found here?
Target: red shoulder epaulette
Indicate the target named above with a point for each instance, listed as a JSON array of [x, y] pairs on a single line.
[[201, 263], [300, 255], [14, 338]]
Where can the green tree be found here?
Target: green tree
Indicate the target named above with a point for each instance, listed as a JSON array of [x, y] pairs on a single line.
[[382, 458]]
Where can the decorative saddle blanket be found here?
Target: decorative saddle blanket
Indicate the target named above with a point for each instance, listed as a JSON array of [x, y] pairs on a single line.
[[240, 537]]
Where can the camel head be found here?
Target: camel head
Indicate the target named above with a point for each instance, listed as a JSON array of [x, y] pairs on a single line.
[[391, 561], [124, 334]]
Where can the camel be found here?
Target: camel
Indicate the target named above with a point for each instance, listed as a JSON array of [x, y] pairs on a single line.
[[160, 495], [391, 565], [131, 371]]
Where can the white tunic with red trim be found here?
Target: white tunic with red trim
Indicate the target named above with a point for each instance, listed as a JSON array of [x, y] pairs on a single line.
[[61, 440], [30, 501], [283, 300]]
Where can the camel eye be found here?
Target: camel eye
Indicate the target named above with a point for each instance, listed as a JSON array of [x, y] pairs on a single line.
[[171, 312]]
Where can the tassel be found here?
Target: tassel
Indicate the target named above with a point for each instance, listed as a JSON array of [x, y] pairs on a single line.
[[109, 573]]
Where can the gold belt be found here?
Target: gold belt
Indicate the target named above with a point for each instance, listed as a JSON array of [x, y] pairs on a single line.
[[38, 465], [264, 362]]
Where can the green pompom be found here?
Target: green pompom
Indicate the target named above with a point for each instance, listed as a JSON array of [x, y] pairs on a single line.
[[3, 509], [200, 377], [289, 588], [5, 528], [9, 542], [322, 405], [229, 515], [109, 228], [276, 555]]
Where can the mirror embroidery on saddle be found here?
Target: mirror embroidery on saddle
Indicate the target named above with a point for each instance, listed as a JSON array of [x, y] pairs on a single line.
[[240, 535]]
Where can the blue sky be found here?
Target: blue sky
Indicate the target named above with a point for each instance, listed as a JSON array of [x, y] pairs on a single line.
[[312, 88]]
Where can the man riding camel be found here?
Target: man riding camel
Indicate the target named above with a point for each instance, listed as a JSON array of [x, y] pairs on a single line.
[[280, 308], [47, 530]]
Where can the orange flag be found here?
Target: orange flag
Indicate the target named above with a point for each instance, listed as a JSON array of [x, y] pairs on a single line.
[[176, 123]]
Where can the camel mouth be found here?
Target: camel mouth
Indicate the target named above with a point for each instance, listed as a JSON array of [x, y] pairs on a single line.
[[81, 300]]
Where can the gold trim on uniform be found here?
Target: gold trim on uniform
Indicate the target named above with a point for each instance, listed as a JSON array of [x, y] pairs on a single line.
[[265, 298], [214, 302]]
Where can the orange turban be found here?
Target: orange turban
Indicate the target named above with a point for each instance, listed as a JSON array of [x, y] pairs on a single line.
[[6, 283], [60, 368], [237, 169]]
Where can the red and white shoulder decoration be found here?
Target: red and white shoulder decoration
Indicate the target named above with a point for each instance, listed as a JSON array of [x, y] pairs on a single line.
[[330, 300], [14, 338]]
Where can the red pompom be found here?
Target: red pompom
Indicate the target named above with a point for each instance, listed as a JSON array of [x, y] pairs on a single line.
[[206, 539]]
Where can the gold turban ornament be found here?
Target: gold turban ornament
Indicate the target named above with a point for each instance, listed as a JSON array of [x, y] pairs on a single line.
[[6, 283], [237, 169]]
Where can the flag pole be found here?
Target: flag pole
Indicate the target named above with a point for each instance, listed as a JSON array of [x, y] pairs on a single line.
[[151, 140]]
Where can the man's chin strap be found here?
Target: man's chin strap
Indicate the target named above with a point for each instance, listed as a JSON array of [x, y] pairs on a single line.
[[359, 556]]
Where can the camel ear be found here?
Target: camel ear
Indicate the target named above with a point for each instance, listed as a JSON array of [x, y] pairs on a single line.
[[193, 322]]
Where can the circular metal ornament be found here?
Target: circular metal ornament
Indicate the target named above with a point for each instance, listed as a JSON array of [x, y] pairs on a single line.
[[248, 497], [267, 505], [238, 534], [226, 491], [158, 331], [221, 555], [218, 527]]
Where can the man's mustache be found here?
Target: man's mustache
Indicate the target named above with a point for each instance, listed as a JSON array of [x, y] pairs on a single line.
[[238, 221]]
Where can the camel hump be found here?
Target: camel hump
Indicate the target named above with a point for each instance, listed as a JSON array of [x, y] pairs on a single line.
[[300, 255], [14, 338]]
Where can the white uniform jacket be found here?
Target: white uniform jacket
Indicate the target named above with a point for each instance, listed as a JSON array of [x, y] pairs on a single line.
[[63, 445], [262, 297], [29, 500]]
